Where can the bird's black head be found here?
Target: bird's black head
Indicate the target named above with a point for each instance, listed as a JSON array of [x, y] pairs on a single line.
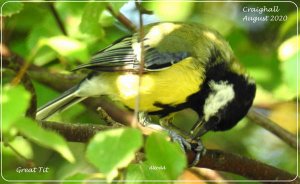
[[228, 101]]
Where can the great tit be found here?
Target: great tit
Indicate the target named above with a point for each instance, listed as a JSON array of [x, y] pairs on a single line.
[[186, 65]]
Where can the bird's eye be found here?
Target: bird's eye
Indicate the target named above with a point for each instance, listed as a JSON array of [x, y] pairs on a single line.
[[215, 119]]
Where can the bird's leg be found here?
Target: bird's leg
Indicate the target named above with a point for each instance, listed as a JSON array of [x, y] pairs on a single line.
[[187, 142], [175, 136], [200, 150], [103, 114], [146, 121]]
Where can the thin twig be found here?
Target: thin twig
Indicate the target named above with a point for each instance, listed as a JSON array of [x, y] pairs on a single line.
[[75, 132], [57, 19], [141, 66], [26, 81], [266, 123], [121, 18], [16, 80]]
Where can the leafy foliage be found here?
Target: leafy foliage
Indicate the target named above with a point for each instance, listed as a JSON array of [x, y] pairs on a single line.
[[164, 161], [108, 151], [10, 8], [267, 50]]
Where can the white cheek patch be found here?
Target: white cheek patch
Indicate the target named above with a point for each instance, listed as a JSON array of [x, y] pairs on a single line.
[[222, 93]]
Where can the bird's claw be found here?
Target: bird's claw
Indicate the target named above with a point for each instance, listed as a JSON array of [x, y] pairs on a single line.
[[200, 150], [198, 147], [144, 119], [184, 144]]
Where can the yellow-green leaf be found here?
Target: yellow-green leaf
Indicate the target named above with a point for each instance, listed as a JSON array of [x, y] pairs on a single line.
[[43, 137]]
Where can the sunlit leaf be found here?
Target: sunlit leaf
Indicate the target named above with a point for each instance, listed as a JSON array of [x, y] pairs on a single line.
[[10, 8], [288, 48], [113, 149], [164, 161], [67, 47], [43, 137], [15, 100], [287, 53], [289, 69], [175, 11], [90, 19]]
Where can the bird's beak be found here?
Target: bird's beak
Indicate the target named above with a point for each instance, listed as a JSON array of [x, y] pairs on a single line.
[[198, 130]]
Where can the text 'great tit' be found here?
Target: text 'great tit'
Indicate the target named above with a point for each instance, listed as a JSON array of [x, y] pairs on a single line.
[[186, 65]]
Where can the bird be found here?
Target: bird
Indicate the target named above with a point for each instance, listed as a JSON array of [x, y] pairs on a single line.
[[186, 65]]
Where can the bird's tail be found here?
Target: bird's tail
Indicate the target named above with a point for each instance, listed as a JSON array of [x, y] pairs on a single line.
[[64, 101]]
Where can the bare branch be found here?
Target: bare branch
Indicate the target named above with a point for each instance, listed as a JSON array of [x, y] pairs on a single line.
[[121, 18], [74, 132], [252, 169], [266, 123], [57, 18]]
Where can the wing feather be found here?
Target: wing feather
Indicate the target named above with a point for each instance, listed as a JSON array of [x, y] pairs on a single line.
[[121, 56]]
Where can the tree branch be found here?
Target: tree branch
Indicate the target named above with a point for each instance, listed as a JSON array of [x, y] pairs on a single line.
[[266, 123], [57, 18], [121, 18], [74, 132], [228, 162], [212, 159]]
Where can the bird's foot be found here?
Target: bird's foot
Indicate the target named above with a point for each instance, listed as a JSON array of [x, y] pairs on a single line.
[[200, 150], [144, 119], [185, 145]]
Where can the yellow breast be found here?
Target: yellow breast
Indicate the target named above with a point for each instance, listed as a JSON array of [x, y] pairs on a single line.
[[170, 86]]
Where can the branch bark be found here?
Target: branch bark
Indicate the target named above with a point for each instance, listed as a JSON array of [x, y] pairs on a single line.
[[212, 159], [266, 123], [57, 18], [121, 18], [228, 162]]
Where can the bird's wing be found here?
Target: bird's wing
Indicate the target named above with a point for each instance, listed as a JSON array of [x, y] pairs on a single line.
[[124, 55]]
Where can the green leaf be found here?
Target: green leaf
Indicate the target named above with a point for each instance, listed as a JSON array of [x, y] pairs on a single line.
[[79, 177], [144, 171], [176, 11], [66, 47], [114, 149], [90, 19], [287, 54], [164, 157], [43, 137], [289, 69], [165, 161], [15, 100], [288, 25], [10, 8]]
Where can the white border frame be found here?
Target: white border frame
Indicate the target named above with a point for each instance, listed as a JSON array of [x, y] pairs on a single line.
[[192, 181]]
